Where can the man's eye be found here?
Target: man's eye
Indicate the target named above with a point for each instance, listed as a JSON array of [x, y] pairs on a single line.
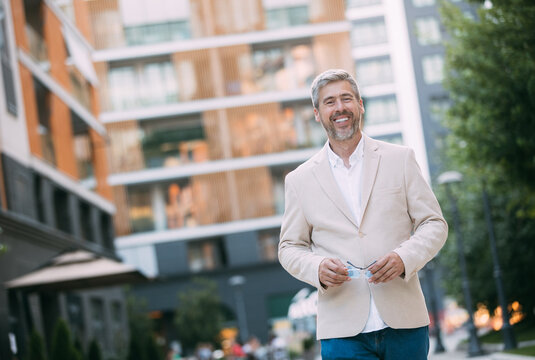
[[347, 99], [330, 102]]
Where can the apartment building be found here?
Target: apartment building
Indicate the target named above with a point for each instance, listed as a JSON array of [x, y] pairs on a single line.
[[53, 178], [206, 104]]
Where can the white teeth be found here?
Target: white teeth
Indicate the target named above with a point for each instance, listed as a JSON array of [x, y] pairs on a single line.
[[340, 120]]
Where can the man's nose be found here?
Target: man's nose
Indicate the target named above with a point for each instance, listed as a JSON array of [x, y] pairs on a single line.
[[339, 105]]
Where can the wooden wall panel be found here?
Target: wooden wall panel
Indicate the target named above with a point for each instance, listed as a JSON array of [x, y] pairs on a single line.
[[256, 192], [212, 201], [195, 80], [30, 111], [57, 52], [100, 164], [237, 69], [105, 22], [333, 51], [83, 23], [125, 152], [121, 220], [326, 10], [62, 137], [212, 134], [19, 22]]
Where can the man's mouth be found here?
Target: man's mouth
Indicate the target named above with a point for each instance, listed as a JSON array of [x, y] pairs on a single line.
[[341, 120]]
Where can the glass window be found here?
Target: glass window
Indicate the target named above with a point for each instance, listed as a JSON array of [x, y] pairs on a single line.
[[361, 3], [98, 322], [433, 68], [122, 86], [140, 209], [156, 33], [206, 255], [283, 67], [381, 110], [180, 205], [75, 315], [7, 72], [268, 242], [83, 148], [285, 17], [374, 71], [421, 3], [173, 142], [369, 33], [43, 98], [158, 84], [307, 131], [393, 138], [85, 222], [428, 30]]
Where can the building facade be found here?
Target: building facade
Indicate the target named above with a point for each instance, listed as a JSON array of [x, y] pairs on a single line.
[[53, 175], [206, 108]]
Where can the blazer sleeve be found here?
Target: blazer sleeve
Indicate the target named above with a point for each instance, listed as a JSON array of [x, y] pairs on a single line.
[[430, 230], [295, 254]]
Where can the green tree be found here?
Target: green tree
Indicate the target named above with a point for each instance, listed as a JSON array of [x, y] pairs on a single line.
[[62, 346], [199, 317], [490, 73], [94, 352], [36, 346]]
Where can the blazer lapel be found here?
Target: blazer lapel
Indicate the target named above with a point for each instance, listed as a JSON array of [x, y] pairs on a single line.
[[322, 172], [369, 171]]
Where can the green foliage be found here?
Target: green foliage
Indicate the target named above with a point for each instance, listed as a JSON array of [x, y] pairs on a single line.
[[151, 349], [135, 350], [140, 328], [36, 346], [94, 352], [199, 317], [62, 346], [491, 78]]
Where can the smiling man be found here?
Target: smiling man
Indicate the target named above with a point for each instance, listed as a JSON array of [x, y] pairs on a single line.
[[359, 222]]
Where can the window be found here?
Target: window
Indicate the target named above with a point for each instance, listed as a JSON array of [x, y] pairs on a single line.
[[86, 223], [140, 209], [179, 205], [7, 71], [361, 3], [433, 68], [173, 142], [308, 132], [61, 210], [374, 72], [44, 105], [283, 67], [394, 138], [98, 323], [370, 32], [278, 174], [285, 17], [428, 30], [83, 147], [421, 3], [381, 110], [151, 83], [206, 255], [268, 242], [156, 33], [75, 315]]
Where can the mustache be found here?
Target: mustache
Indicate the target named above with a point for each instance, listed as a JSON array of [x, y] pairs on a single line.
[[336, 114]]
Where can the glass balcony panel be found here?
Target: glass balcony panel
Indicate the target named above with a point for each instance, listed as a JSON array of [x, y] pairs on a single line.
[[38, 48], [286, 17], [157, 33], [80, 88], [44, 103], [361, 3]]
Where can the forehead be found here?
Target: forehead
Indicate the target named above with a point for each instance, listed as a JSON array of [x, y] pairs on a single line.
[[335, 89]]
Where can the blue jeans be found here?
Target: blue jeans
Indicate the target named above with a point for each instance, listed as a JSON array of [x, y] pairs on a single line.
[[385, 344]]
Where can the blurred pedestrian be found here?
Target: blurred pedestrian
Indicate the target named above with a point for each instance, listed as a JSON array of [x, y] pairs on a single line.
[[360, 221]]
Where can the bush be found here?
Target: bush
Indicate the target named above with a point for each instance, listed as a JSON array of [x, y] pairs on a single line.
[[62, 347], [36, 349], [94, 352]]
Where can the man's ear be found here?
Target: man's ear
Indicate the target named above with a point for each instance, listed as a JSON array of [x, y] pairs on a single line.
[[316, 115]]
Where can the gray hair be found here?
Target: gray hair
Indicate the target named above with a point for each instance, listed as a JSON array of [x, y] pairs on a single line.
[[329, 76]]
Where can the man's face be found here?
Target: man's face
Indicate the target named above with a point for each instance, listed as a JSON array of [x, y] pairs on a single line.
[[339, 111]]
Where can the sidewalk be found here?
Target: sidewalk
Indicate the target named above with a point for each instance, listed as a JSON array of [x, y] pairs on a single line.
[[451, 343]]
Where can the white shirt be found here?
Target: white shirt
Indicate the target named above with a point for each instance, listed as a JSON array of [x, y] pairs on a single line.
[[349, 182]]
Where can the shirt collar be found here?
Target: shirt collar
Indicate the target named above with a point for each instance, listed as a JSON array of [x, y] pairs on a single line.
[[336, 161]]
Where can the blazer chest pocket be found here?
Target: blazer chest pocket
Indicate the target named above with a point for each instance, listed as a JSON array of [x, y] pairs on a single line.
[[387, 191]]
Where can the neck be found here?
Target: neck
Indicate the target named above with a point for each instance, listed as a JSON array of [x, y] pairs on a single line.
[[345, 148]]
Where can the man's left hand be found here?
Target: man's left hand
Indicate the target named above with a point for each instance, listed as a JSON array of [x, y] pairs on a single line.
[[387, 268]]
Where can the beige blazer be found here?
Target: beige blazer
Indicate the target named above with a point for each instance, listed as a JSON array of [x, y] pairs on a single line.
[[399, 213]]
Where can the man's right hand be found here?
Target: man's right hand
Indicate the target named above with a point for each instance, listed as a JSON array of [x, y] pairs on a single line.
[[332, 272]]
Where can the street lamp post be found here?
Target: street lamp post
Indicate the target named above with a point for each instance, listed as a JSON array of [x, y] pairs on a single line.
[[236, 282], [447, 178], [507, 330]]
